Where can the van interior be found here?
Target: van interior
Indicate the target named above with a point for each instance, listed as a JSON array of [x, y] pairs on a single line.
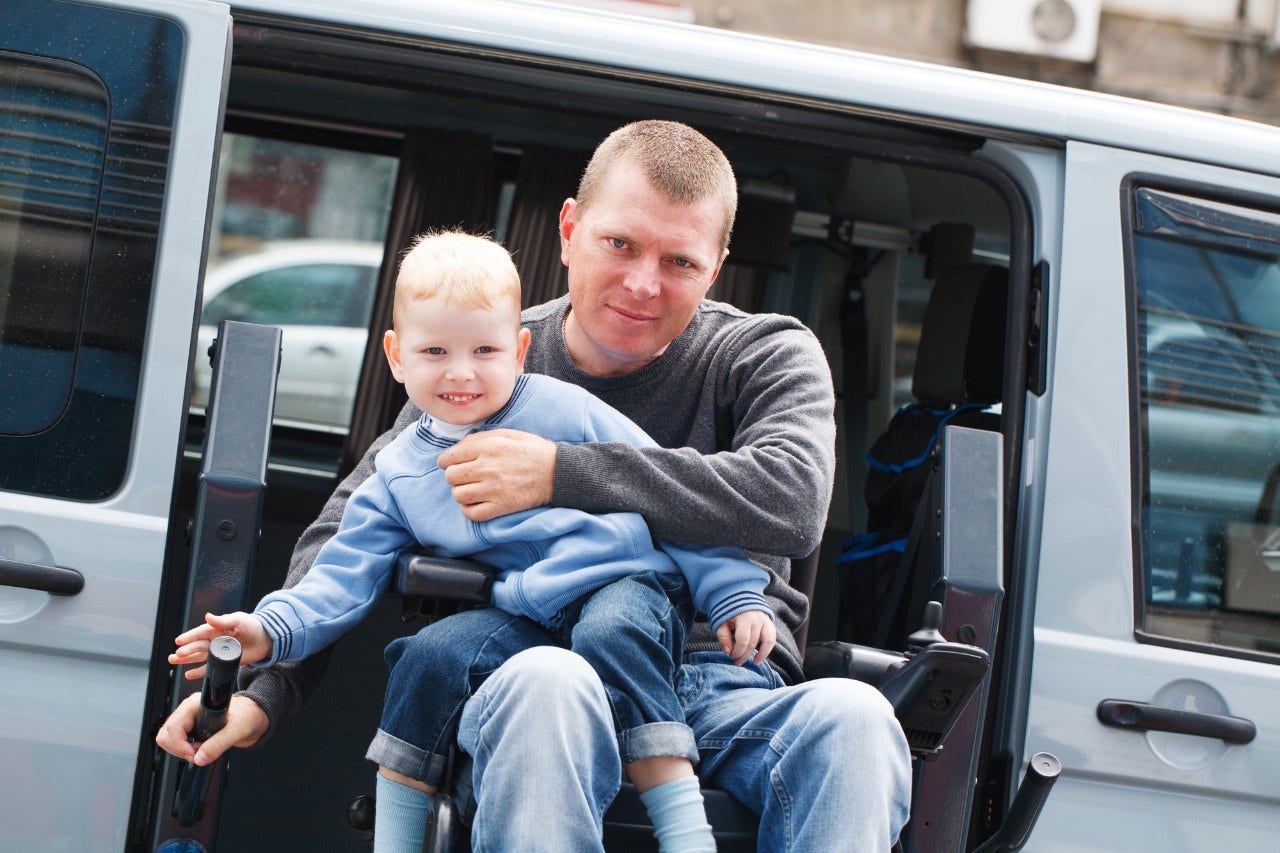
[[848, 221]]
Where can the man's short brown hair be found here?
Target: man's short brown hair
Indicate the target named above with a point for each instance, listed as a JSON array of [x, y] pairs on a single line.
[[677, 160]]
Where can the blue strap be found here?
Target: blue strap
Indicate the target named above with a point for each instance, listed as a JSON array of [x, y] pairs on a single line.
[[898, 468]]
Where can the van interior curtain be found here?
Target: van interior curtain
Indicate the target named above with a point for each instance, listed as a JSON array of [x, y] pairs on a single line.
[[445, 180]]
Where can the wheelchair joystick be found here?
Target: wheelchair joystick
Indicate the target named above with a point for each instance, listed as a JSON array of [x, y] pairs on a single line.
[[215, 698]]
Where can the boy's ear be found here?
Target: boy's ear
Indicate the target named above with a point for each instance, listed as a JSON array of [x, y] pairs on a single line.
[[522, 347], [391, 346]]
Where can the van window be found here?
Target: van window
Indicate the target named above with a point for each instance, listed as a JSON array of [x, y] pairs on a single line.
[[1207, 278], [53, 128], [84, 148], [298, 231]]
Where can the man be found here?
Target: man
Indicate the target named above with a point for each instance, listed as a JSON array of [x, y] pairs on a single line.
[[742, 407]]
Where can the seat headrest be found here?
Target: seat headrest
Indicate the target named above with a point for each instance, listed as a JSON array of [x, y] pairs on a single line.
[[960, 358]]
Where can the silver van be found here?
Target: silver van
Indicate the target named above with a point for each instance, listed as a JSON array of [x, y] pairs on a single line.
[[143, 142]]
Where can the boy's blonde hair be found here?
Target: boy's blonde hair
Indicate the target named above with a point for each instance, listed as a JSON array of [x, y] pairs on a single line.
[[677, 160], [472, 271]]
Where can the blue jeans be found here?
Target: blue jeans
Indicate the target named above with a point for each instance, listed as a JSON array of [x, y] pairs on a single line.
[[630, 632], [825, 764]]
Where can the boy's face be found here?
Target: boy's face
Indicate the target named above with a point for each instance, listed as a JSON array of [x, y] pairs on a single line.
[[458, 364]]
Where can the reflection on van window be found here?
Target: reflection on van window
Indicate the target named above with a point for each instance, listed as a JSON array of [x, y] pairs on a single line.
[[1208, 331], [297, 243], [53, 130]]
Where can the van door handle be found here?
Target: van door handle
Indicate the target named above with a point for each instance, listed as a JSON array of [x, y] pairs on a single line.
[[52, 579], [1144, 717]]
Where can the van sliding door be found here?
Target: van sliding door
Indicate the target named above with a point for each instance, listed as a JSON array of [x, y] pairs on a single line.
[[109, 119], [1157, 638]]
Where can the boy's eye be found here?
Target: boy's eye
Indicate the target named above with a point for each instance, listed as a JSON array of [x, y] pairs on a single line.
[[435, 350], [486, 350]]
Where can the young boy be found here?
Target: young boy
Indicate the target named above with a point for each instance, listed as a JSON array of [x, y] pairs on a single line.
[[594, 583]]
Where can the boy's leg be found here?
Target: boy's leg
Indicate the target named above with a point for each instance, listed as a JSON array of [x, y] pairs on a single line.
[[433, 673], [632, 632], [825, 764]]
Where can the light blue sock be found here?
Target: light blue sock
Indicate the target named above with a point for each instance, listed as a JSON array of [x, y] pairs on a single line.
[[679, 817], [399, 817]]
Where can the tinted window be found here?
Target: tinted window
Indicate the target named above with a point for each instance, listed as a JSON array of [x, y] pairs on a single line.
[[1208, 358], [53, 127], [84, 147]]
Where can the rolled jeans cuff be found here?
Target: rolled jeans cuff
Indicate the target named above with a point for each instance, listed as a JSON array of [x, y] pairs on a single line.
[[406, 759], [654, 740]]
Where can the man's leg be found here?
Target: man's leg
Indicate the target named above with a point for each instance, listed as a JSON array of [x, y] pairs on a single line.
[[546, 763], [825, 764]]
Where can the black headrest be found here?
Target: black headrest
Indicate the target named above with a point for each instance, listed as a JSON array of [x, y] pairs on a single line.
[[960, 358]]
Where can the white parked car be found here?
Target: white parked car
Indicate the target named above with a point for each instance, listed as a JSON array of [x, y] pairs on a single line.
[[320, 293]]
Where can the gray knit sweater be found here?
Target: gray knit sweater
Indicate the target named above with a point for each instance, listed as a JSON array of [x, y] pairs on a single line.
[[743, 410]]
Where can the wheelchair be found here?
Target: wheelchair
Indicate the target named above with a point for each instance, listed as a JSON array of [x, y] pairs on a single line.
[[931, 685]]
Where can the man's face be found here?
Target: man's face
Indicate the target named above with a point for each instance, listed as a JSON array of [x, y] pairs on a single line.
[[458, 364], [638, 267]]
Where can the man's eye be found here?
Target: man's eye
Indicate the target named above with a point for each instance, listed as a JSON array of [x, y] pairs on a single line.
[[682, 262], [617, 243]]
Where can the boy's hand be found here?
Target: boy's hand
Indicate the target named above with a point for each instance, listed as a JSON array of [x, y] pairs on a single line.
[[747, 636], [193, 646]]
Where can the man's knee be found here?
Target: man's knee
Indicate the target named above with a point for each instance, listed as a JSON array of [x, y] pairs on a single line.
[[549, 673], [850, 712]]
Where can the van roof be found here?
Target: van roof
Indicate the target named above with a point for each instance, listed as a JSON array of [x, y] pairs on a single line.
[[961, 97]]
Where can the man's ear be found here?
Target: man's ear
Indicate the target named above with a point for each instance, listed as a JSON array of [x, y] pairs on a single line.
[[522, 347], [568, 220], [391, 346]]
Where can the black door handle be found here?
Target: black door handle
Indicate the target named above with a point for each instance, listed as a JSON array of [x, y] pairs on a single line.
[[52, 579], [1143, 717]]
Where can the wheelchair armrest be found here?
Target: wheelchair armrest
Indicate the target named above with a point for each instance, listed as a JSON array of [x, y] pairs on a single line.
[[927, 689], [450, 584]]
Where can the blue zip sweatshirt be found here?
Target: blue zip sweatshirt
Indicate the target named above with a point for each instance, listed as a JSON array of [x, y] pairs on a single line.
[[545, 558]]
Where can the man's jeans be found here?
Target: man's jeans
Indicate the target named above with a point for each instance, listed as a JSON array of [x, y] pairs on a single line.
[[824, 764], [630, 632]]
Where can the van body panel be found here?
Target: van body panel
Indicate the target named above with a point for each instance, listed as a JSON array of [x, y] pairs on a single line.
[[1176, 791], [75, 668]]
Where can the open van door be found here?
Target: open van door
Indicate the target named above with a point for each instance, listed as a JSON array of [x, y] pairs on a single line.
[[109, 120], [1157, 624]]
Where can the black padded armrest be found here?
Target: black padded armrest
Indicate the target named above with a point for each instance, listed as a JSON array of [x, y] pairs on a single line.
[[449, 584], [927, 689]]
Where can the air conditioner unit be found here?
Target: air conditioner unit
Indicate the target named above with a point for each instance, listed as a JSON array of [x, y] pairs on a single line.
[[1062, 29]]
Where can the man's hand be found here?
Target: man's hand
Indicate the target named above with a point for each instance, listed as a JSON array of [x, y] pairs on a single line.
[[246, 724], [498, 472], [747, 636], [193, 645]]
